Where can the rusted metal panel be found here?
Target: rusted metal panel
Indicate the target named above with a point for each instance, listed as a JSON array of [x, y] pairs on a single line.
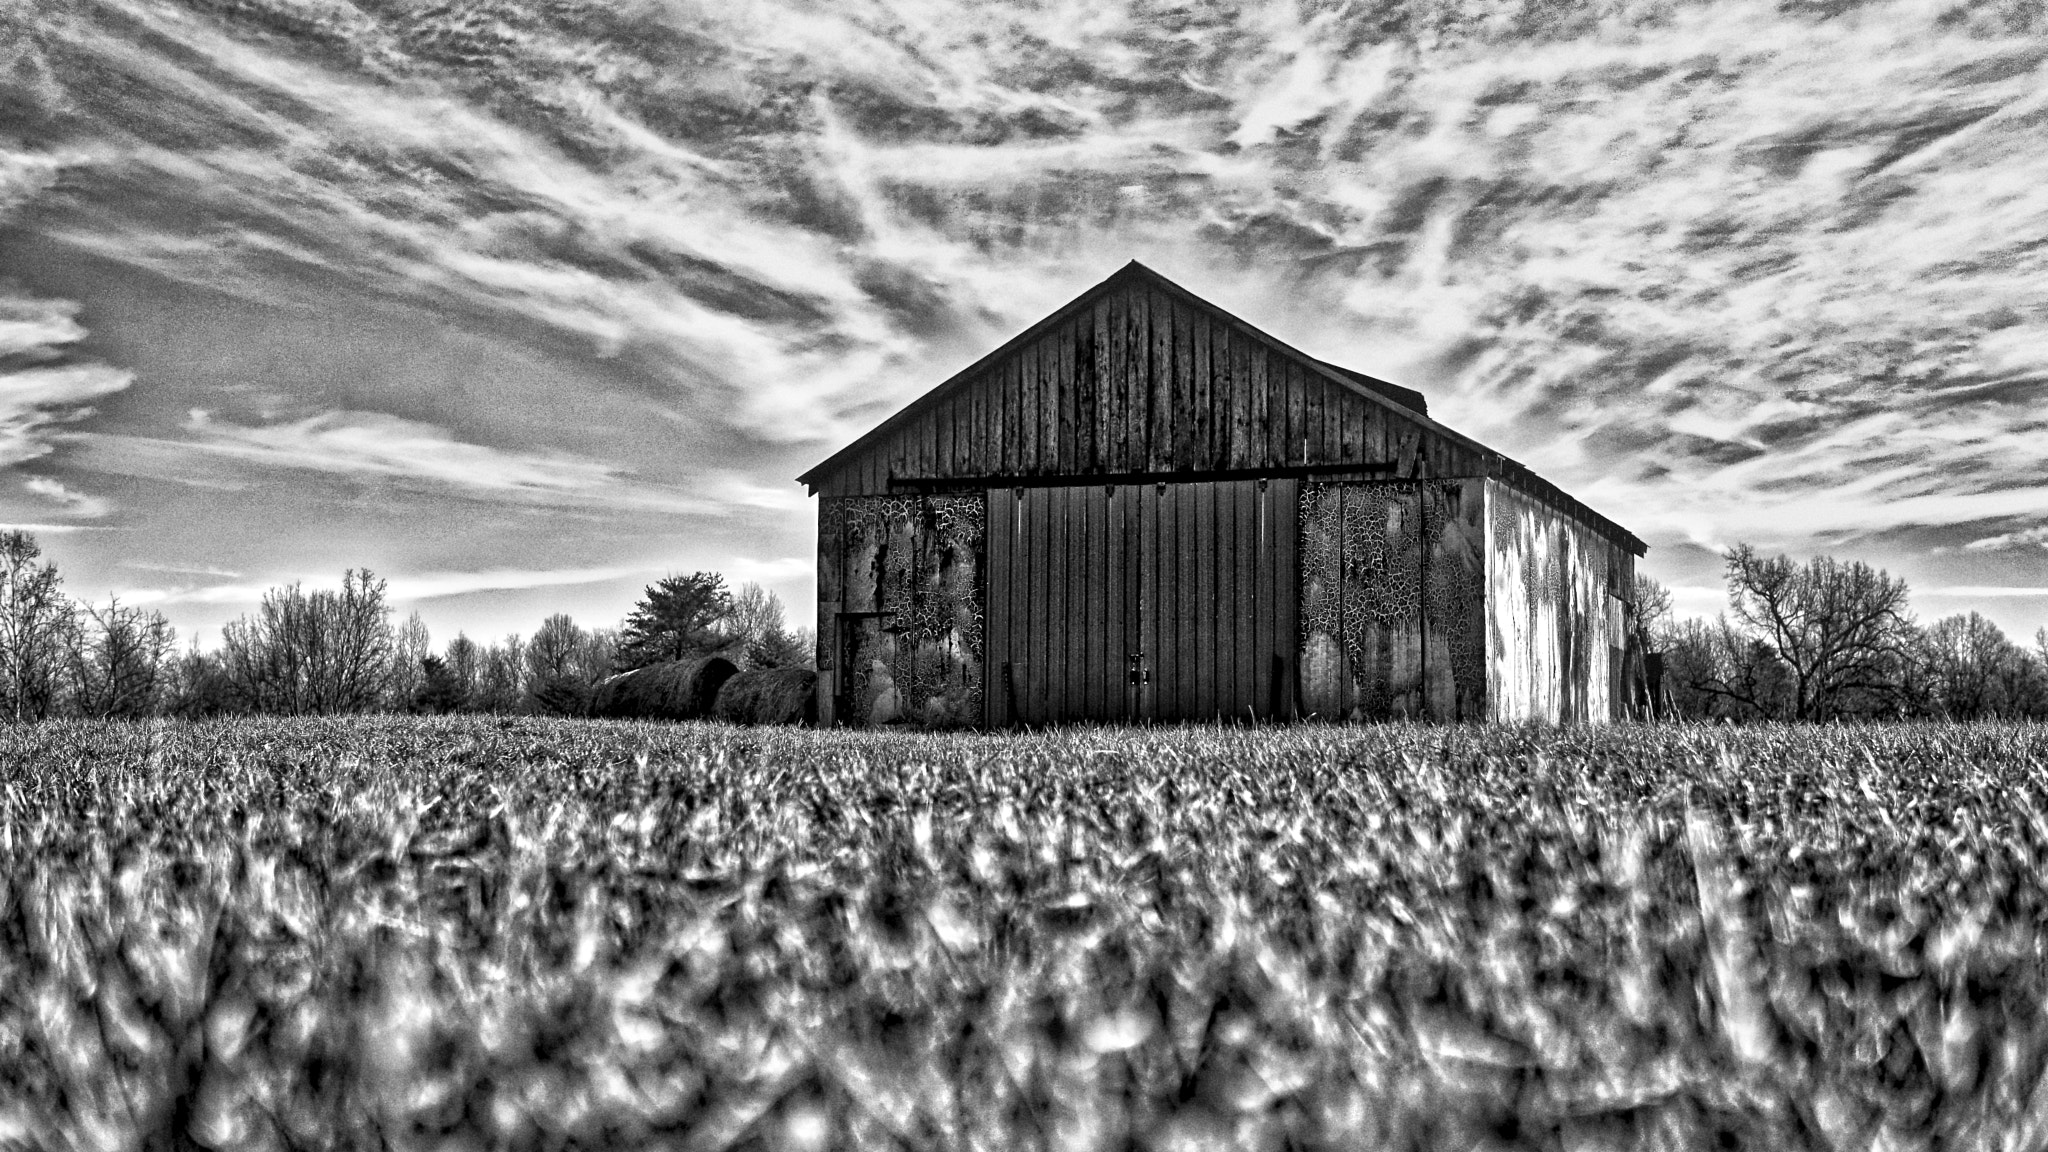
[[1556, 612]]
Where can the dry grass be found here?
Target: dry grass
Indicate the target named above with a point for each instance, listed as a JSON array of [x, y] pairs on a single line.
[[541, 934]]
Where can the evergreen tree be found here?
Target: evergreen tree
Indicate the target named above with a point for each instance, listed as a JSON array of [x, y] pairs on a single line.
[[679, 618], [439, 691]]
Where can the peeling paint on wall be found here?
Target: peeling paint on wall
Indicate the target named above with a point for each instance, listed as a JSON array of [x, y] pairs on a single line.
[[1557, 614], [907, 631], [1392, 599]]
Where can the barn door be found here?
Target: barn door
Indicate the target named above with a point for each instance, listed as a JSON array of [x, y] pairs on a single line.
[[1061, 605], [1141, 601]]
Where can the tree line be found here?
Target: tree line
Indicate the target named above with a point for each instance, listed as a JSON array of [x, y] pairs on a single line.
[[1834, 640], [337, 651]]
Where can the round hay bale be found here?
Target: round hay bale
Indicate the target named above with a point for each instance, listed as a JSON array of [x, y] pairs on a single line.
[[769, 696], [673, 690]]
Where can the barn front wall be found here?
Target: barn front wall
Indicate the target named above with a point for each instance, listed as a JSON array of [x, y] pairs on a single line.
[[900, 620], [1558, 613], [1392, 600]]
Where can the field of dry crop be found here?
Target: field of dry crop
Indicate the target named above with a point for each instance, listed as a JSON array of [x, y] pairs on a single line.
[[483, 933]]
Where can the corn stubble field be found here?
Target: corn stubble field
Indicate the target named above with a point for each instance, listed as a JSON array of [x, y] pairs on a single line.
[[480, 933]]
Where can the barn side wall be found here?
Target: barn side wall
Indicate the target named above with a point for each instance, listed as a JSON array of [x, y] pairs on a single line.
[[900, 609], [1393, 600], [1557, 613]]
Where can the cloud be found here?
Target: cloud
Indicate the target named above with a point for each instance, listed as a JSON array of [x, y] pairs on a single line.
[[54, 529], [434, 585], [182, 569], [35, 402], [374, 444], [1744, 271], [2007, 541], [402, 589], [77, 503], [1982, 592]]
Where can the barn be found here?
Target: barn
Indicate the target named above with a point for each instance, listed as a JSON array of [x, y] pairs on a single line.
[[1145, 509]]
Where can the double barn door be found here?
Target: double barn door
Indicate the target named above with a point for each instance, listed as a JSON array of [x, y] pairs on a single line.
[[1141, 602]]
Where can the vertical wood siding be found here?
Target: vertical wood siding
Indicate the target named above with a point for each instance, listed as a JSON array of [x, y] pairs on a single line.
[[1141, 382], [1392, 600], [1556, 614], [1190, 587], [900, 633]]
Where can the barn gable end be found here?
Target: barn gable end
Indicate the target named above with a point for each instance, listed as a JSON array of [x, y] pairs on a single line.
[[1139, 376]]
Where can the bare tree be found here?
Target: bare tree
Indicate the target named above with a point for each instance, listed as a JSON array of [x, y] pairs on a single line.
[[35, 620], [1653, 611], [1714, 671], [759, 636], [1842, 631], [325, 652], [119, 661], [198, 685], [501, 677], [1971, 667], [409, 651], [559, 672], [464, 663]]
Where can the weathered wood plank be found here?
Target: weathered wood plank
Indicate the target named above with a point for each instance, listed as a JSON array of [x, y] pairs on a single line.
[[1088, 391], [1066, 454], [1000, 530], [1051, 396], [1092, 568], [1115, 640], [1297, 414], [1200, 621], [1240, 399], [1137, 380], [1350, 420], [1190, 388], [1162, 409], [1059, 622], [1244, 555], [1265, 641], [1258, 384], [1030, 412], [1287, 580], [1187, 589], [1315, 392], [1146, 506]]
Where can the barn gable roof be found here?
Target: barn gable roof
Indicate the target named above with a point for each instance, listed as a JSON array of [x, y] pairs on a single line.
[[1405, 402]]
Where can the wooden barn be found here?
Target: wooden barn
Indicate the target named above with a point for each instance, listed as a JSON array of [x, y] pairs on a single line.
[[1145, 509]]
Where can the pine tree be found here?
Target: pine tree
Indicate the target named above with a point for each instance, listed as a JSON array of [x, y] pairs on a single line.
[[679, 618]]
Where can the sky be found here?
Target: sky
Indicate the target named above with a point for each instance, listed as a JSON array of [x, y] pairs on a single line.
[[524, 304]]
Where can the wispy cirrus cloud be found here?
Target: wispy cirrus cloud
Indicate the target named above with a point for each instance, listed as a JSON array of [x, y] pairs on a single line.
[[375, 444], [2036, 537], [1732, 271], [401, 590]]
